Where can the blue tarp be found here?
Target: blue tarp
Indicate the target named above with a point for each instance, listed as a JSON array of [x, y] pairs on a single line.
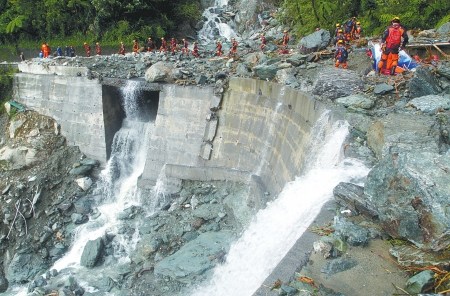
[[404, 61]]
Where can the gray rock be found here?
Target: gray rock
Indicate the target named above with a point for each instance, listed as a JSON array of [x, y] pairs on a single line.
[[338, 265], [315, 41], [82, 170], [296, 59], [92, 252], [356, 101], [17, 158], [354, 234], [201, 79], [287, 290], [431, 103], [89, 161], [195, 257], [423, 83], [332, 83], [83, 206], [24, 267], [352, 196], [78, 218], [3, 281], [286, 76], [408, 255], [265, 72], [444, 29], [410, 190], [382, 88], [420, 282], [158, 72], [14, 126]]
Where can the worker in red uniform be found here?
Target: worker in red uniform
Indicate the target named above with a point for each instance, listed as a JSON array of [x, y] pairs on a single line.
[[173, 45], [263, 42], [233, 49], [219, 51], [341, 55], [163, 47], [285, 39], [87, 49], [394, 39], [185, 49], [98, 49], [358, 30], [136, 46], [122, 48], [195, 50]]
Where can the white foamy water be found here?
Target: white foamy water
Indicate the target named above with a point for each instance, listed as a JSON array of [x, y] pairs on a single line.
[[118, 183], [276, 228], [213, 26]]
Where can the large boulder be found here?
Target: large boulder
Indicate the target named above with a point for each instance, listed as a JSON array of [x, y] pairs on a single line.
[[410, 190], [196, 257], [332, 83], [24, 267], [92, 252], [423, 83], [431, 103], [17, 158], [159, 72], [315, 41]]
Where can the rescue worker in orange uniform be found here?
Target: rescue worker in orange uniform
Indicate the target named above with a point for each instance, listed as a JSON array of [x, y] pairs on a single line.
[[341, 55], [185, 49], [173, 45], [263, 42], [285, 39], [340, 36], [87, 48], [135, 46], [358, 30], [219, 51], [45, 50], [233, 49], [150, 44], [393, 40], [338, 27], [163, 47], [122, 48], [98, 49], [195, 50]]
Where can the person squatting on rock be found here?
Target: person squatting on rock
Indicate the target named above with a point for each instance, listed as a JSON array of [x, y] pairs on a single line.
[[122, 48], [391, 44], [341, 55], [98, 49], [87, 48]]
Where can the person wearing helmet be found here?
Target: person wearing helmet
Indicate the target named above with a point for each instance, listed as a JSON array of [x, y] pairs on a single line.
[[341, 55], [122, 48], [233, 49], [185, 49], [285, 39], [173, 45], [340, 36], [135, 46], [87, 48], [163, 47], [349, 28], [393, 40], [263, 42], [219, 51], [338, 27], [150, 44], [98, 49], [195, 50], [358, 30]]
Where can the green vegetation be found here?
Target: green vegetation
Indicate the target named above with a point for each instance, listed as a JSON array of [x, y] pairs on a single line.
[[6, 84], [306, 15], [76, 21]]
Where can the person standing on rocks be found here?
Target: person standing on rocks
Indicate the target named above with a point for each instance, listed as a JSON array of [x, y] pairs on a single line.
[[163, 47], [135, 46], [394, 39], [341, 55], [195, 50], [263, 42], [185, 49], [87, 48], [233, 49], [22, 57], [72, 51], [285, 42], [98, 49], [173, 45], [150, 44], [122, 48], [219, 51]]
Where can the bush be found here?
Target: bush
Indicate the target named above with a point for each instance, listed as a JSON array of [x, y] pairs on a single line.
[[6, 83]]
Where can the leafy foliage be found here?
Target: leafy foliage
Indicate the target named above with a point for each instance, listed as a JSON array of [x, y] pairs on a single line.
[[6, 83], [306, 15]]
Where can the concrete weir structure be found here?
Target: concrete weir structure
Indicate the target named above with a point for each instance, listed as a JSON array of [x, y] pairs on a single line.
[[256, 132]]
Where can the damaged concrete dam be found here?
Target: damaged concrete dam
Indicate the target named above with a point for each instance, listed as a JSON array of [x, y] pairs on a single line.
[[239, 130]]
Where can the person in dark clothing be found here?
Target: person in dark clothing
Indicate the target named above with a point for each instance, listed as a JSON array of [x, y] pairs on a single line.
[[341, 55], [67, 51], [59, 51], [72, 51], [22, 56], [150, 45]]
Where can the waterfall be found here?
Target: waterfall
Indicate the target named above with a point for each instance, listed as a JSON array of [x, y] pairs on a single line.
[[276, 228], [213, 26], [118, 186]]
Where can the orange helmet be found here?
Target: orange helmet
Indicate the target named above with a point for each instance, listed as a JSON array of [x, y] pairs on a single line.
[[340, 31], [338, 25], [340, 41]]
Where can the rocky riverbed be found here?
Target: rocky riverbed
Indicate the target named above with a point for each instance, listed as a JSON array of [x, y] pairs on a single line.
[[397, 221]]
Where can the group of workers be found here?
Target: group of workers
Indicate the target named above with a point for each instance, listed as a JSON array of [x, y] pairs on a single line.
[[393, 40]]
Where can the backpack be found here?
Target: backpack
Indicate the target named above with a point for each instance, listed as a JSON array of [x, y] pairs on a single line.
[[394, 38]]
